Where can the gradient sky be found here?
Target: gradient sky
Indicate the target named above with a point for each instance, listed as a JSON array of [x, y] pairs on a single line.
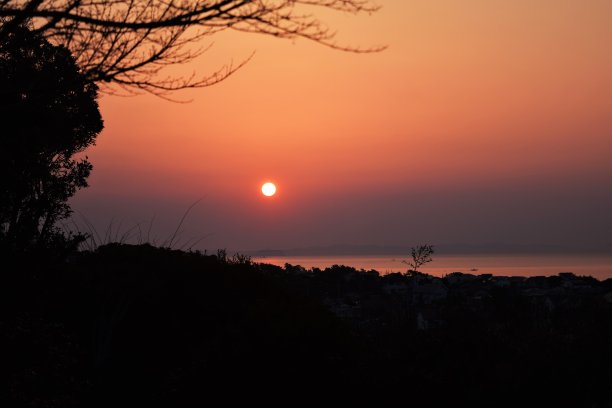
[[483, 122]]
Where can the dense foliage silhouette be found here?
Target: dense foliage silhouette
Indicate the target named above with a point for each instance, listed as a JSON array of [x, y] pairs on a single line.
[[48, 114]]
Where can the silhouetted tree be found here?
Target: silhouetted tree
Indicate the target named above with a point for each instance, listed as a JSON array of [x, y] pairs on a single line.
[[48, 114], [420, 256], [126, 43]]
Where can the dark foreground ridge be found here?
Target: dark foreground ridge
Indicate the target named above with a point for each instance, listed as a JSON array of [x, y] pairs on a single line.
[[144, 326]]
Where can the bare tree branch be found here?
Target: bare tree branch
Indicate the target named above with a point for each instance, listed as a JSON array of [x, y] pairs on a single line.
[[125, 44]]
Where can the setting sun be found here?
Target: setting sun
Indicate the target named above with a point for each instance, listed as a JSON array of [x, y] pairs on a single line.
[[268, 189]]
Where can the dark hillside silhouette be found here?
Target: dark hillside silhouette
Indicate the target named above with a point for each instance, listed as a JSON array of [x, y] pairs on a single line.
[[48, 114], [143, 326]]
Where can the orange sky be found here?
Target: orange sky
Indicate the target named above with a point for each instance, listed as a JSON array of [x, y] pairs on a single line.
[[474, 107]]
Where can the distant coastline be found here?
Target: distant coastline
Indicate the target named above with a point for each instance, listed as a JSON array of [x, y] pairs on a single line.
[[596, 265]]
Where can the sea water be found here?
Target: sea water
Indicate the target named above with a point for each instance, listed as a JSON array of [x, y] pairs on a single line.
[[598, 266]]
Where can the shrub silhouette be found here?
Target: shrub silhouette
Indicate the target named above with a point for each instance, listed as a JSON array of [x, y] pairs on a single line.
[[420, 256], [49, 114]]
